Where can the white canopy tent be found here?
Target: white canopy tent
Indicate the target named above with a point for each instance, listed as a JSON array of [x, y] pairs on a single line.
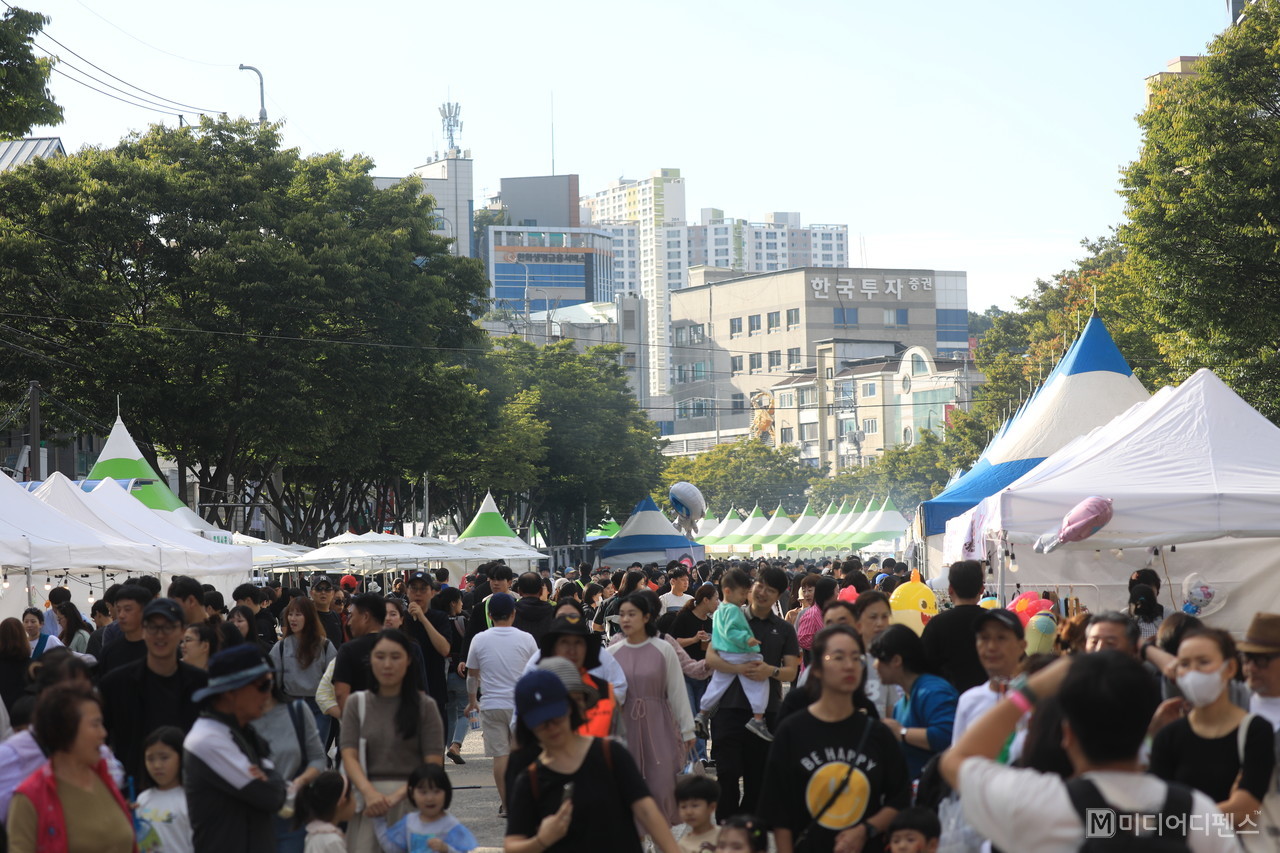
[[1194, 467]]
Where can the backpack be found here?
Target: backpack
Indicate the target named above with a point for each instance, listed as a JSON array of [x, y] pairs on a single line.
[[1107, 830]]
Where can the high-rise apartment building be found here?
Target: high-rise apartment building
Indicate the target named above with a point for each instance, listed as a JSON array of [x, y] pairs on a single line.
[[647, 204]]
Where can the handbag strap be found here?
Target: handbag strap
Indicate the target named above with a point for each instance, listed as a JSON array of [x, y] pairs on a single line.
[[868, 723]]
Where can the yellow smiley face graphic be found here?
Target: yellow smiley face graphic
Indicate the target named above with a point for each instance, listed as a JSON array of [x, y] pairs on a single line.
[[849, 806]]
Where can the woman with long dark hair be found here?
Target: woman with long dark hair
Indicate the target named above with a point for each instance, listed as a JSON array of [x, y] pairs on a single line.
[[923, 718], [199, 643], [606, 618], [15, 656], [75, 631], [302, 656], [659, 723], [386, 733], [835, 777]]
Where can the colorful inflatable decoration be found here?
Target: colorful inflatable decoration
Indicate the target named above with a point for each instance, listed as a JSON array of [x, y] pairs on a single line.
[[1082, 521], [690, 507], [1041, 629], [1029, 604], [989, 602], [1198, 597], [913, 604]]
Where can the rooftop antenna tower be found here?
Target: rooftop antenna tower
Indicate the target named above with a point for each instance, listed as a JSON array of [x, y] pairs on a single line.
[[451, 118]]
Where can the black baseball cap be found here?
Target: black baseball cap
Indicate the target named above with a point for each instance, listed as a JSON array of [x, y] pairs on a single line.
[[166, 607], [1005, 617], [317, 579], [419, 577]]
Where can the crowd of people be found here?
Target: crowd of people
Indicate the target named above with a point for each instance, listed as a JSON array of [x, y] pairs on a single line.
[[709, 706]]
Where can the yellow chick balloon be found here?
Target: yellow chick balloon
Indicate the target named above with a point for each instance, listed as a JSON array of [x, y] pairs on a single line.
[[913, 603]]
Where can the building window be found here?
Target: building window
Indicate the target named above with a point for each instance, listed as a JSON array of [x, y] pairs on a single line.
[[787, 435], [793, 355], [868, 389], [775, 358], [722, 241], [753, 324], [681, 373], [735, 327], [808, 432], [787, 400], [756, 361], [918, 364], [698, 371], [738, 402], [774, 321], [682, 410], [700, 407], [871, 426], [682, 335], [845, 316], [793, 317], [895, 317], [735, 364], [807, 397]]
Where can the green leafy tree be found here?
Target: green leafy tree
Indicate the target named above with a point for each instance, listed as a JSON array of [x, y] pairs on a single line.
[[1204, 211], [25, 100], [274, 323], [740, 475]]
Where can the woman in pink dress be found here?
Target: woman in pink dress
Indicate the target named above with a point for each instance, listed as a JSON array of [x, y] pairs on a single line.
[[659, 724]]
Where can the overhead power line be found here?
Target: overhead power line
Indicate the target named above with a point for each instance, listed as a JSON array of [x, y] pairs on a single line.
[[121, 80], [115, 97]]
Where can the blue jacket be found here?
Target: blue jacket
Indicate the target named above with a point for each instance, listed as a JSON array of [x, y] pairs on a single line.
[[931, 705]]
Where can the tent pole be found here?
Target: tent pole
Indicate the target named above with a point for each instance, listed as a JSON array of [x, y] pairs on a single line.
[[1000, 576]]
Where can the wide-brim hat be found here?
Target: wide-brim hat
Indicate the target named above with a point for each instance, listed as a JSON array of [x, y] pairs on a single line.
[[231, 669], [1263, 636], [573, 625]]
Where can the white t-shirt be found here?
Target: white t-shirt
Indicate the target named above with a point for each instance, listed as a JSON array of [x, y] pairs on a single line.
[[671, 601], [500, 654], [1023, 809], [167, 827], [1267, 707]]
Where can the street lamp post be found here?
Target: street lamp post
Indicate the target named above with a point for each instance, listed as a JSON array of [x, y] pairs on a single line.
[[527, 320], [546, 312], [262, 95]]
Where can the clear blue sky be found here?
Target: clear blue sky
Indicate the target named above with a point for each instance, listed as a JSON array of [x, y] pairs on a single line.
[[982, 136]]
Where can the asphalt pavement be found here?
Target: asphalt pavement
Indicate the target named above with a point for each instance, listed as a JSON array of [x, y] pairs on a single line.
[[475, 797]]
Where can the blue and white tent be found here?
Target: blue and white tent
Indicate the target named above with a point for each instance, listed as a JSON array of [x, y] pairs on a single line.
[[1088, 387], [648, 537]]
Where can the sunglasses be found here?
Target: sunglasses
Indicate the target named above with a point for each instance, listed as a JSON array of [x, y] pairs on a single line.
[[1259, 658]]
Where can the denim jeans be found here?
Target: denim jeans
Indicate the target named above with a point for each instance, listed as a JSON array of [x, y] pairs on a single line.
[[456, 723], [696, 687]]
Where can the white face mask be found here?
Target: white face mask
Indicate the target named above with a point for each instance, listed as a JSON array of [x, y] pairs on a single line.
[[1202, 688]]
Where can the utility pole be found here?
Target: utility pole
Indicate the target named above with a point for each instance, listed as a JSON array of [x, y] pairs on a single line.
[[426, 516], [33, 428]]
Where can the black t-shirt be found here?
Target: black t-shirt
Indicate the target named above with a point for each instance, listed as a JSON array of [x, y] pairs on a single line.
[[332, 623], [777, 639], [266, 625], [809, 760], [1210, 765], [119, 653], [13, 680], [437, 687], [951, 646], [604, 790], [351, 667], [686, 625]]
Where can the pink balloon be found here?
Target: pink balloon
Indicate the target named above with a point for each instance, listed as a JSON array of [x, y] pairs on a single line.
[[1085, 519]]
